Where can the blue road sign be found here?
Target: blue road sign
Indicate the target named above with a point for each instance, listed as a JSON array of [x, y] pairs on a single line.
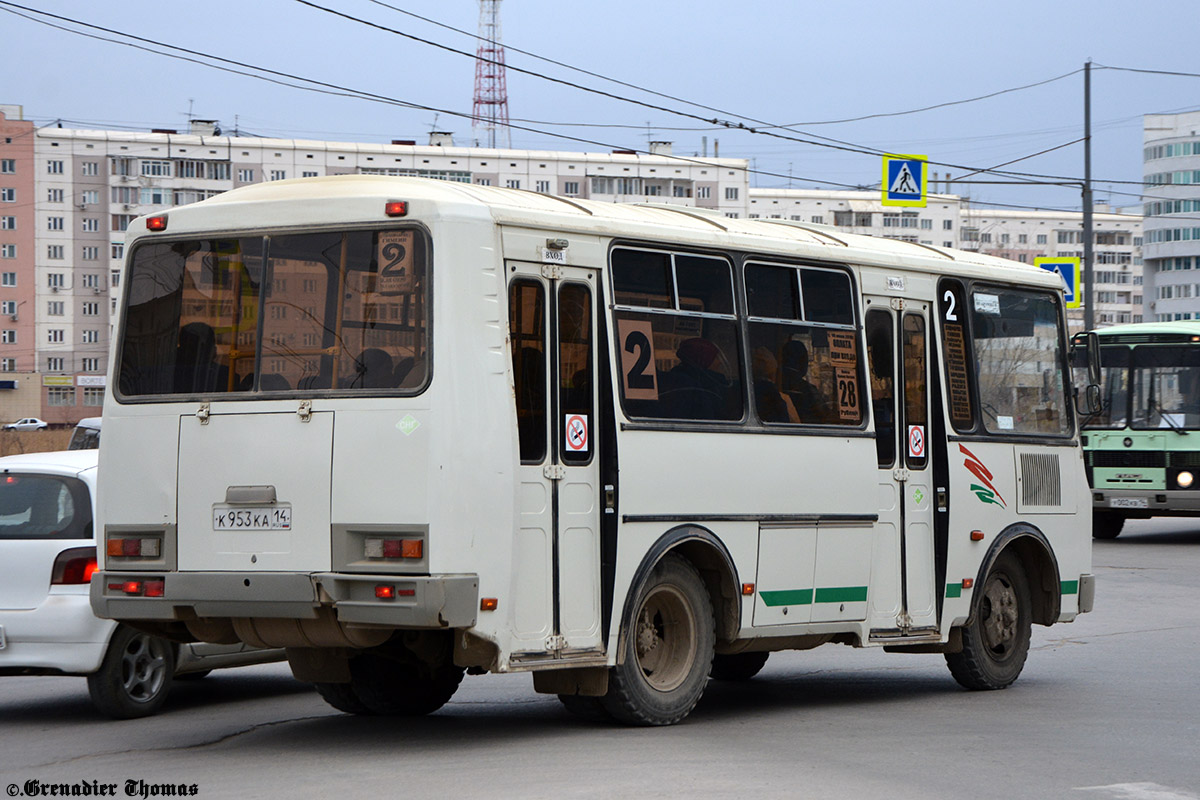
[[1068, 270], [904, 180]]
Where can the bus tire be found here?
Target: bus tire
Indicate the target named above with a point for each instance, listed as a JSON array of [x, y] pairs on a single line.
[[996, 641], [668, 648], [1106, 525], [590, 708], [342, 697], [135, 675], [737, 666], [404, 685]]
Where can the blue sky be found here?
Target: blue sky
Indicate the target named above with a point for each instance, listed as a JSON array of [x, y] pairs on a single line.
[[776, 62]]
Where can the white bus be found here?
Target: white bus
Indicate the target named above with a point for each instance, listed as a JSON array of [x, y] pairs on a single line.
[[407, 429]]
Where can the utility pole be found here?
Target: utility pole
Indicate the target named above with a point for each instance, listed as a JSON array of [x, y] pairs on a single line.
[[1089, 315]]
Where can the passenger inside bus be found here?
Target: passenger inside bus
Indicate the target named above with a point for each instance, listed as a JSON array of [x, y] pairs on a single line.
[[809, 404], [691, 389], [772, 404], [196, 366], [374, 370]]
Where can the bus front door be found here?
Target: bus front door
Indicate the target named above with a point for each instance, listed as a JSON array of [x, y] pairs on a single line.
[[556, 554], [903, 603]]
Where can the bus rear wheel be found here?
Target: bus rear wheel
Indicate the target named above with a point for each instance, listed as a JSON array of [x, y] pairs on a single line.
[[996, 641], [1106, 525], [398, 685], [668, 648]]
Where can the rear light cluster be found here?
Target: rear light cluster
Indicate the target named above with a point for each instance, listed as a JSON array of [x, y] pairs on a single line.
[[387, 591], [154, 587], [147, 547], [74, 566], [394, 548]]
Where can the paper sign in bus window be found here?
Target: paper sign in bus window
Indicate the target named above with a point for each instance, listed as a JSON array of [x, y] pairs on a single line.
[[639, 378], [396, 262], [576, 429]]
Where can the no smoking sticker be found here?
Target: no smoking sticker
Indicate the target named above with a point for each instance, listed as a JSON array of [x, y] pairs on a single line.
[[577, 433], [916, 441]]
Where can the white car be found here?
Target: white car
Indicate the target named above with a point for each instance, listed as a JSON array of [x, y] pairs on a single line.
[[27, 424], [47, 557]]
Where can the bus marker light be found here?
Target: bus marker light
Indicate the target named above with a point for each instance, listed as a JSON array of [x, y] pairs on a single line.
[[747, 589], [156, 588], [488, 604], [132, 587], [158, 223], [410, 548], [976, 536], [385, 591], [395, 208], [1184, 479], [968, 583]]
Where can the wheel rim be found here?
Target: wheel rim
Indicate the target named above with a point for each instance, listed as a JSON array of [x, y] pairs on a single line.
[[1000, 616], [143, 668], [665, 638]]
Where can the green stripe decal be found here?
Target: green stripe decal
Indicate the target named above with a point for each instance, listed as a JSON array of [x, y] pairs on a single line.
[[788, 597], [953, 590], [842, 594], [1070, 587]]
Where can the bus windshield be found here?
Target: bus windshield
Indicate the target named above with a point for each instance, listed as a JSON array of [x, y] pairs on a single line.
[[1114, 387], [1166, 387], [334, 311]]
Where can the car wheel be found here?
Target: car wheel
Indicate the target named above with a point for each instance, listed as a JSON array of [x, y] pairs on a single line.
[[135, 676]]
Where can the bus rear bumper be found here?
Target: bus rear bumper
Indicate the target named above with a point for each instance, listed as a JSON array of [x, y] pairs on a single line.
[[433, 601]]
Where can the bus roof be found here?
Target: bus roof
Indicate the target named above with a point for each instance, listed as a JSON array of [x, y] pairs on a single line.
[[1181, 327], [360, 198]]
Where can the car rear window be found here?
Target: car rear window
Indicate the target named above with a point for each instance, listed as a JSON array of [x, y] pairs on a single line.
[[34, 506]]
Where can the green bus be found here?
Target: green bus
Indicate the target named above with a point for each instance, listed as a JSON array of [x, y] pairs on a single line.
[[1142, 448]]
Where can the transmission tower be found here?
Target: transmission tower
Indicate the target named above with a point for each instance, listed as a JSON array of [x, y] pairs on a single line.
[[489, 116]]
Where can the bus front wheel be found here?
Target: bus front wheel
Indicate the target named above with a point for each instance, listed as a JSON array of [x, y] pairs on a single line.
[[1106, 525], [996, 640], [668, 648]]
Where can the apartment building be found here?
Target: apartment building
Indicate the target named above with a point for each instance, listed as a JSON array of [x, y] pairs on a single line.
[[1171, 161], [72, 194]]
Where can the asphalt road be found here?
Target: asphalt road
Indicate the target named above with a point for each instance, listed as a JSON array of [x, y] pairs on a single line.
[[1107, 707]]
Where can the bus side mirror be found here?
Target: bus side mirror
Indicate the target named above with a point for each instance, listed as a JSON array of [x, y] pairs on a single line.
[[1085, 347]]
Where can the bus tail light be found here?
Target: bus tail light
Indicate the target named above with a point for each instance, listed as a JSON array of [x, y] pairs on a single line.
[[152, 587], [394, 548], [140, 547], [156, 223], [74, 566], [395, 208]]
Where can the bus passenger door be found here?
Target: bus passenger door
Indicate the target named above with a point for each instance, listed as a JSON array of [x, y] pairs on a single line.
[[556, 556], [903, 600]]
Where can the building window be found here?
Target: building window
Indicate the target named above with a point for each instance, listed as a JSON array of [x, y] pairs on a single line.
[[245, 176], [60, 396], [8, 166], [483, 181], [8, 195], [571, 188], [8, 307], [8, 337], [54, 167], [54, 252], [91, 309], [8, 278], [90, 169], [54, 308], [116, 278], [91, 225], [218, 170], [54, 195], [308, 174], [8, 365], [118, 250], [703, 192], [91, 253], [278, 175], [817, 219], [947, 224], [91, 197], [54, 223], [8, 223], [93, 396], [8, 251], [1022, 238], [55, 280], [513, 183], [91, 281], [156, 169], [731, 193], [91, 365], [926, 224], [1041, 238], [120, 222], [543, 187], [54, 364], [55, 336]]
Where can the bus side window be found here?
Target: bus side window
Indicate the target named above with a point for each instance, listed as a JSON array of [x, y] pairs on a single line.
[[527, 327], [952, 310], [882, 358]]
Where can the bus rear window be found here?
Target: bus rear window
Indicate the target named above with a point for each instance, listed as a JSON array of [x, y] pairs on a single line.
[[333, 311]]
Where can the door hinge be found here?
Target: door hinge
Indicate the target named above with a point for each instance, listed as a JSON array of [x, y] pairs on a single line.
[[551, 271], [203, 414], [900, 474], [305, 410], [896, 303], [555, 643], [904, 622], [554, 472]]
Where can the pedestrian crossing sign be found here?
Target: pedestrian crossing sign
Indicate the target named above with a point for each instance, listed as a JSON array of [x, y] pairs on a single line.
[[1068, 270], [904, 180]]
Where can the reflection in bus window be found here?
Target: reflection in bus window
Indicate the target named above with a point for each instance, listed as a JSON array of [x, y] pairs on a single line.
[[527, 324], [915, 388], [1114, 386], [679, 350], [882, 358], [336, 311], [1019, 362], [575, 369], [802, 341]]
